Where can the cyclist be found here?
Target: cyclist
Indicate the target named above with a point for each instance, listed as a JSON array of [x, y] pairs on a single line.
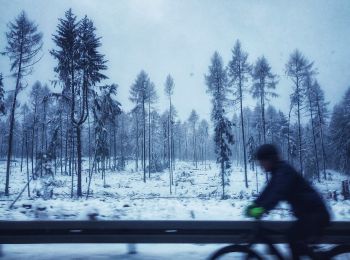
[[286, 184]]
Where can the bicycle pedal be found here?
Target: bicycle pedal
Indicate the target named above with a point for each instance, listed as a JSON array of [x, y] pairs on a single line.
[[316, 248]]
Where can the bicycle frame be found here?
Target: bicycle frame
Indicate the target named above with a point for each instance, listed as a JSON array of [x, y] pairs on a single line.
[[259, 237]]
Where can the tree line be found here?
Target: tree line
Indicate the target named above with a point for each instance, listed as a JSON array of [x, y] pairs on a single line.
[[307, 135], [81, 130]]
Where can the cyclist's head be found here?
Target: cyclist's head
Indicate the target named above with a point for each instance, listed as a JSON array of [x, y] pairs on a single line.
[[267, 155]]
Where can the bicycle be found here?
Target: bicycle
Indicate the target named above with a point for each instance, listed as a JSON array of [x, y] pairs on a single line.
[[258, 236]]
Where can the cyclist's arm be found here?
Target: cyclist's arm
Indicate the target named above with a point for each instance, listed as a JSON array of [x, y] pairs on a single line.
[[276, 190]]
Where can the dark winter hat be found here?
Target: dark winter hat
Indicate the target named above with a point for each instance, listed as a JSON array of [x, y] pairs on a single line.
[[267, 152]]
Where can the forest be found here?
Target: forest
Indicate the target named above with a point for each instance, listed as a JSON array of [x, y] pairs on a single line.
[[73, 128]]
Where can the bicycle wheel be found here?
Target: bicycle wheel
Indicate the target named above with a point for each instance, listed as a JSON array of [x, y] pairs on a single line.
[[235, 251], [340, 252]]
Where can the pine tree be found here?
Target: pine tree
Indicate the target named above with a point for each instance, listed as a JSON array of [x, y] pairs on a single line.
[[203, 135], [239, 71], [68, 73], [193, 119], [2, 110], [91, 61], [297, 69], [272, 124], [216, 81], [79, 69], [124, 140], [35, 98], [135, 112], [25, 133], [178, 139], [185, 131], [310, 162], [340, 134], [160, 139], [139, 96], [105, 110], [169, 91], [310, 97], [24, 43], [44, 98], [151, 99], [321, 112], [264, 84], [67, 53], [282, 133], [24, 113]]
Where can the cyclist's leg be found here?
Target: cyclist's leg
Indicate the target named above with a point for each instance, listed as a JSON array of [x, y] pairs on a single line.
[[297, 239], [298, 249], [302, 231]]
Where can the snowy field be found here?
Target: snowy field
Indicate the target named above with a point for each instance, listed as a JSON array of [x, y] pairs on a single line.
[[108, 251], [195, 195]]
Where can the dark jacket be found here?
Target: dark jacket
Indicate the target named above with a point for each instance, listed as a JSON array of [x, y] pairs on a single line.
[[286, 184]]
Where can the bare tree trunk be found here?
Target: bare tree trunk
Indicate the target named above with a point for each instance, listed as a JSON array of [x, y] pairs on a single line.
[[195, 147], [313, 135], [256, 179], [9, 149], [144, 141], [71, 161], [22, 150], [288, 133], [79, 192], [89, 146], [90, 176], [12, 121], [169, 152], [180, 155], [222, 169], [27, 162], [149, 139], [205, 153], [299, 127], [186, 148], [170, 142], [43, 138], [152, 138], [114, 145], [109, 158], [122, 134], [66, 146], [172, 153], [223, 178], [24, 135], [137, 143], [322, 137], [264, 125], [61, 141], [262, 102], [243, 136]]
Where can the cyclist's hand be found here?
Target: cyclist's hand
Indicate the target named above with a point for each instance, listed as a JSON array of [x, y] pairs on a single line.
[[254, 211], [247, 209]]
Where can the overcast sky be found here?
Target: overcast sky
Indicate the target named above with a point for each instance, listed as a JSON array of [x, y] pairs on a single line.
[[179, 37]]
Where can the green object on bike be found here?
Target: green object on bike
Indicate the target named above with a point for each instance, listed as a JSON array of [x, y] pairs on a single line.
[[254, 211]]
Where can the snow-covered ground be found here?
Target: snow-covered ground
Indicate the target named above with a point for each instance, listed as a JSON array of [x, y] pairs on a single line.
[[196, 194], [108, 251], [117, 251]]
